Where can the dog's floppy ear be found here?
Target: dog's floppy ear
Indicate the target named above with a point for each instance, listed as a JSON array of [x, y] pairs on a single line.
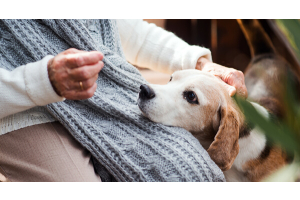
[[225, 147]]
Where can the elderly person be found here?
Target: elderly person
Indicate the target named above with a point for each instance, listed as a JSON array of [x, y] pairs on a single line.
[[68, 102]]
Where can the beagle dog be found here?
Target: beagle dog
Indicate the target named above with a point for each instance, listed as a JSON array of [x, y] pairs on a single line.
[[199, 102]]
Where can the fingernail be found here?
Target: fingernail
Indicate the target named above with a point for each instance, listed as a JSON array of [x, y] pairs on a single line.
[[101, 56], [101, 63], [232, 92]]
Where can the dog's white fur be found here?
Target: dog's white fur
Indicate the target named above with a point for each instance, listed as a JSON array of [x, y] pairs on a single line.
[[250, 148], [169, 107]]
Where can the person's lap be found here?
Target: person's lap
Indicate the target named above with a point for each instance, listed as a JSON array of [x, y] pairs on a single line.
[[44, 152]]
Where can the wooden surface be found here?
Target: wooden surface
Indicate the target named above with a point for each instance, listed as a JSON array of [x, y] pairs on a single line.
[[155, 77]]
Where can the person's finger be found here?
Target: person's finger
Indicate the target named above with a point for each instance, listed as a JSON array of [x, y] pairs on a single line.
[[82, 59], [239, 84], [86, 72], [230, 77], [241, 89], [72, 51], [228, 82], [230, 89], [242, 92], [83, 85], [79, 94], [235, 78]]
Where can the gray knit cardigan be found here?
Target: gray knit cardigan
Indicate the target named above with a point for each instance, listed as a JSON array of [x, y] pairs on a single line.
[[125, 145]]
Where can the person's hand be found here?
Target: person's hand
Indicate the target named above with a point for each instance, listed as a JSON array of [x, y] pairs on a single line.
[[234, 79], [73, 73]]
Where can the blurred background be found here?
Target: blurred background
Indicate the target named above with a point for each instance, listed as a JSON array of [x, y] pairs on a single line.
[[225, 40]]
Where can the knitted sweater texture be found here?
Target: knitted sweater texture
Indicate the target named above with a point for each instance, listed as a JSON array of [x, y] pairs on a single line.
[[125, 145]]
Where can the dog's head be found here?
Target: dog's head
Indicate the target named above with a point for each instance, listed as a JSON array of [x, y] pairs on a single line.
[[198, 102]]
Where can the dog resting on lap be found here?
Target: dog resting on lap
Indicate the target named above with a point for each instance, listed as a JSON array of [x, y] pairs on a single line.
[[199, 102]]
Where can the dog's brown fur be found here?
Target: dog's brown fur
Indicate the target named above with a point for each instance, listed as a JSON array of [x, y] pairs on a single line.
[[272, 157], [225, 147], [260, 168], [216, 120], [273, 71]]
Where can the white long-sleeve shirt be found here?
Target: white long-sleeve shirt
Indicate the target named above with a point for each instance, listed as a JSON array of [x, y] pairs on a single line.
[[149, 46], [144, 45]]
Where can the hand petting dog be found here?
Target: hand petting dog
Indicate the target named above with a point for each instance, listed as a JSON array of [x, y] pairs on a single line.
[[233, 79]]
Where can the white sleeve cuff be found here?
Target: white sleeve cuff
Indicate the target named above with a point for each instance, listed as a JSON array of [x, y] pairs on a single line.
[[147, 45], [38, 85], [191, 54]]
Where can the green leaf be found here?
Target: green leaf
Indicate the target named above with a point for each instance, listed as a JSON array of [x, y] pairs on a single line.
[[291, 29], [280, 134], [292, 107]]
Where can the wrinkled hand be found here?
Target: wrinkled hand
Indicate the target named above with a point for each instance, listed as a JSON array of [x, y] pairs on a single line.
[[73, 73], [234, 79]]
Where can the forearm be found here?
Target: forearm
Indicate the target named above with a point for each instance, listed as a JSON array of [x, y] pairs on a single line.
[[25, 87], [147, 45]]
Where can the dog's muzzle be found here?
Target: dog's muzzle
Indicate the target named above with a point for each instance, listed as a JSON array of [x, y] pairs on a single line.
[[146, 92]]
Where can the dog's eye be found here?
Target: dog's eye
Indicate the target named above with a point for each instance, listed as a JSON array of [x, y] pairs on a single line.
[[191, 97], [170, 78]]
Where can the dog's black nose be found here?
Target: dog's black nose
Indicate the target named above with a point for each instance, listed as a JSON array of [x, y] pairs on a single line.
[[146, 92]]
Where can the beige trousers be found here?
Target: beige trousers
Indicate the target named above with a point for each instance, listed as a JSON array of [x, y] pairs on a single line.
[[44, 152]]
